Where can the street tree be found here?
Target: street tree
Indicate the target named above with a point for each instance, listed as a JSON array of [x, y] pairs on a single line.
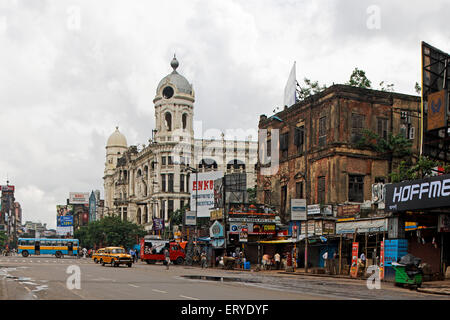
[[110, 231]]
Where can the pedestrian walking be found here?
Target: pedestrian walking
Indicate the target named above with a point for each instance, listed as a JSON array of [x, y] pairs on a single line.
[[84, 252], [136, 256], [167, 255], [277, 260], [203, 260], [325, 259]]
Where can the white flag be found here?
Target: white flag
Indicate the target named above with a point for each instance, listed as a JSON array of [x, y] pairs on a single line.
[[290, 89]]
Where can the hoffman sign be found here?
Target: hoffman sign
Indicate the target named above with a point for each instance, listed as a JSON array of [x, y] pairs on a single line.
[[432, 192]]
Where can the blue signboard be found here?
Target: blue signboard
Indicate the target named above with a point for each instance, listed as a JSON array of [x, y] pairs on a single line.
[[65, 221]]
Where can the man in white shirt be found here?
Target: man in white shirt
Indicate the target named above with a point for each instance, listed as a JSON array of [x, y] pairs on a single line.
[[325, 258], [277, 260]]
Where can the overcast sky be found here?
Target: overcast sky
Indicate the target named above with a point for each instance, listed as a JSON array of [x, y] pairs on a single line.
[[70, 71]]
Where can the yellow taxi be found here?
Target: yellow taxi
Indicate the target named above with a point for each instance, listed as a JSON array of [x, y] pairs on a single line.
[[97, 254], [116, 256]]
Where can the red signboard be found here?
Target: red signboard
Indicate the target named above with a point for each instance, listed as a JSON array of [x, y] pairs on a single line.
[[354, 267]]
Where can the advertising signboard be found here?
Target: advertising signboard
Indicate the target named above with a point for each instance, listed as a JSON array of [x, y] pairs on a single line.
[[216, 214], [433, 192], [354, 267], [190, 218], [298, 209], [437, 117], [243, 235], [362, 226], [217, 230], [382, 260], [328, 227], [158, 224], [7, 188], [313, 209], [318, 227], [348, 210], [79, 197], [64, 216], [203, 189]]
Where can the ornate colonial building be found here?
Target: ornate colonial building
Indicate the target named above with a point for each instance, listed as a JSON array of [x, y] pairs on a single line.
[[153, 182]]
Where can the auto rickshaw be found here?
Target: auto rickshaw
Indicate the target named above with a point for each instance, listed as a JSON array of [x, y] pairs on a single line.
[[407, 272]]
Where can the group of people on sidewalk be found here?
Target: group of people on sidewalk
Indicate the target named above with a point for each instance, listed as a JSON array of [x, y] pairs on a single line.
[[276, 262]]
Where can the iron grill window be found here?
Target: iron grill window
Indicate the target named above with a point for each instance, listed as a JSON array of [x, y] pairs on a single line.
[[181, 182], [321, 190], [357, 127], [322, 131], [382, 128], [299, 139], [355, 188]]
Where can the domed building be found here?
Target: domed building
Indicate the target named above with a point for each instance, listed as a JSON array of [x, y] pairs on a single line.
[[153, 182]]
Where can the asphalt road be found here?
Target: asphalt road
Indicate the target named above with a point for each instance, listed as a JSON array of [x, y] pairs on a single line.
[[46, 278]]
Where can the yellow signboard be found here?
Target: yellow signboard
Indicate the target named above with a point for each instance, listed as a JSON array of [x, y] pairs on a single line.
[[216, 214], [437, 105]]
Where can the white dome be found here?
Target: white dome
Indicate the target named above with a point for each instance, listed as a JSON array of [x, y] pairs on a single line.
[[117, 140]]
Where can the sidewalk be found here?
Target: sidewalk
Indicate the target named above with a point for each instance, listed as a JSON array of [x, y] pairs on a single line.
[[433, 287]]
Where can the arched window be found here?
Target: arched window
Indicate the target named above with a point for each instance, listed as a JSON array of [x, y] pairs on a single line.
[[139, 173], [184, 121], [168, 118]]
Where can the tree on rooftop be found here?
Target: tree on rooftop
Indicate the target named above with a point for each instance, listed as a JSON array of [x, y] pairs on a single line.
[[359, 79], [309, 88]]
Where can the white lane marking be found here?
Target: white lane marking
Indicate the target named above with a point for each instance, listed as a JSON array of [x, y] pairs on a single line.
[[188, 297], [27, 289], [34, 296], [133, 285], [160, 291]]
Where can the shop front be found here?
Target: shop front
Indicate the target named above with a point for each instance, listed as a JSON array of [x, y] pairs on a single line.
[[424, 207], [367, 234]]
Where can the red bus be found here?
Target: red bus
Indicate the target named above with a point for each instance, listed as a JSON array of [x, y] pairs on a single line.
[[152, 250]]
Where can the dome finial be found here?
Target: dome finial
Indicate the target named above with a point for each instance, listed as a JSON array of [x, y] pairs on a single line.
[[174, 63]]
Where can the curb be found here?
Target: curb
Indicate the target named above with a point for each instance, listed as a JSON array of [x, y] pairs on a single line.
[[425, 290]]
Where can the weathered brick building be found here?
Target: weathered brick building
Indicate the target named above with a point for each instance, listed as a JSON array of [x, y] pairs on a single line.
[[319, 158]]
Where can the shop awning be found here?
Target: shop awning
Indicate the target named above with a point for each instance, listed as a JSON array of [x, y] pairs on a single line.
[[276, 241]]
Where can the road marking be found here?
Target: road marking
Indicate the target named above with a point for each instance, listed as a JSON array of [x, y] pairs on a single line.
[[160, 291], [27, 289], [34, 296], [189, 297], [133, 285]]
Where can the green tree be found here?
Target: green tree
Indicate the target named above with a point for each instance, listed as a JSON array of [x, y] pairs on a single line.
[[358, 79], [110, 231], [3, 239], [418, 88], [309, 88], [386, 87], [412, 171]]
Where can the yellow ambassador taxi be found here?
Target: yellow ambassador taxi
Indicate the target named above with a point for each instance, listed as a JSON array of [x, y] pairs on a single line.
[[116, 256], [98, 254]]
